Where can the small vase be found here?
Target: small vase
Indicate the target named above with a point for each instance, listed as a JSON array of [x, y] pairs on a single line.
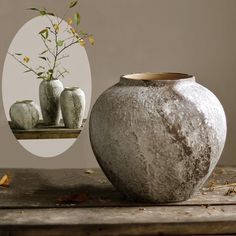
[[73, 107], [157, 137], [24, 114], [49, 95]]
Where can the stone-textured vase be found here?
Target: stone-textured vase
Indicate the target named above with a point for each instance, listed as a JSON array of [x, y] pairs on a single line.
[[73, 107], [49, 95], [157, 137], [24, 114]]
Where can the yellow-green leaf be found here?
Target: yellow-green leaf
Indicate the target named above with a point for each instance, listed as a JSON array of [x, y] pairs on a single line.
[[56, 27], [77, 18], [73, 3], [91, 40], [70, 21], [42, 13], [26, 59], [81, 42], [44, 33], [60, 43]]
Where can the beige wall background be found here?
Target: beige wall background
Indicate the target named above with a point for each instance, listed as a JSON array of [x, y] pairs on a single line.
[[191, 36]]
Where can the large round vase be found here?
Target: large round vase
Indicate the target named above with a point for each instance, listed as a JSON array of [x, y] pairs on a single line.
[[24, 114], [157, 137], [49, 96], [73, 107]]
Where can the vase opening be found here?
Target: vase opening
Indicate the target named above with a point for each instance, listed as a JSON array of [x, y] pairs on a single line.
[[71, 88], [156, 76], [24, 101]]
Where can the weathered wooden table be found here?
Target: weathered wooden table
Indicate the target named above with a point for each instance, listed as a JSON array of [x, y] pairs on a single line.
[[80, 202], [42, 131]]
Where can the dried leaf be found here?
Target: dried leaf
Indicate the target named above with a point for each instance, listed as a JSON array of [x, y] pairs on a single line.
[[26, 59], [43, 52], [33, 9], [43, 58], [73, 3], [5, 181], [75, 198], [231, 192], [18, 54]]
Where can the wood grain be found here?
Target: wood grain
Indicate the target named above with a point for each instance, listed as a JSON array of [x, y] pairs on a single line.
[[32, 206], [46, 132]]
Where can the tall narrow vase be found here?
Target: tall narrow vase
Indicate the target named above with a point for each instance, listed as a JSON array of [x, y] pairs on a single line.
[[157, 137], [73, 107], [49, 95]]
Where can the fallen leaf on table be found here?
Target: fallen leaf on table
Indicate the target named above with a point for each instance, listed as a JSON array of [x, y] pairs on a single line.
[[74, 198], [5, 181], [231, 192], [89, 172]]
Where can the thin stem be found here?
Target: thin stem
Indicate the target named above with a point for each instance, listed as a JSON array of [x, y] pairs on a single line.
[[29, 68], [62, 57], [44, 41], [72, 43], [61, 74]]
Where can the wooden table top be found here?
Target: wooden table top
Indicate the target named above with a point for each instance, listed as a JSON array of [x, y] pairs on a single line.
[[83, 202], [42, 131]]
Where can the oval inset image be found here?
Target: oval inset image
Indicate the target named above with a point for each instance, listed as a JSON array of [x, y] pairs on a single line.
[[46, 86]]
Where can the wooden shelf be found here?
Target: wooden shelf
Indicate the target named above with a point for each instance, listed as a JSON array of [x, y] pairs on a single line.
[[47, 132], [81, 202]]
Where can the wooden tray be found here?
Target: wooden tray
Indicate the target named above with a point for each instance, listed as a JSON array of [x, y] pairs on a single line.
[[47, 132]]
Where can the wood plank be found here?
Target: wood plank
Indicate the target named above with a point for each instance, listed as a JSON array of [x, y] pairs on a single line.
[[120, 221], [31, 188], [46, 132]]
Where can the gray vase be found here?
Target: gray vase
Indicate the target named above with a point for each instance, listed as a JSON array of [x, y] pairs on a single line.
[[157, 137], [24, 114], [49, 95], [73, 107]]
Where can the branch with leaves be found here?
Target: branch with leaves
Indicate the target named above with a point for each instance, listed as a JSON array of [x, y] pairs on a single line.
[[55, 43]]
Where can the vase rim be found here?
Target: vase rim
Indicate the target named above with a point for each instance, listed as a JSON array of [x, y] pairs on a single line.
[[71, 88], [24, 101], [150, 76]]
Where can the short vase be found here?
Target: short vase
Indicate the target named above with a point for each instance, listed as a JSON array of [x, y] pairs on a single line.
[[24, 114], [157, 137], [49, 96], [73, 107]]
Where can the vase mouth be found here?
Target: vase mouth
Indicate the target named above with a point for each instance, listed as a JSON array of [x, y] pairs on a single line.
[[71, 88], [149, 76], [24, 101]]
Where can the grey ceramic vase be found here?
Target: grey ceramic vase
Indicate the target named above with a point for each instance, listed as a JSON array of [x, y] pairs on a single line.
[[73, 107], [24, 114], [157, 137], [49, 95]]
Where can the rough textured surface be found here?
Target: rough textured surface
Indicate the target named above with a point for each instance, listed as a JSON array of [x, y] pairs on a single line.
[[30, 206], [73, 107], [157, 140], [49, 95], [24, 114]]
